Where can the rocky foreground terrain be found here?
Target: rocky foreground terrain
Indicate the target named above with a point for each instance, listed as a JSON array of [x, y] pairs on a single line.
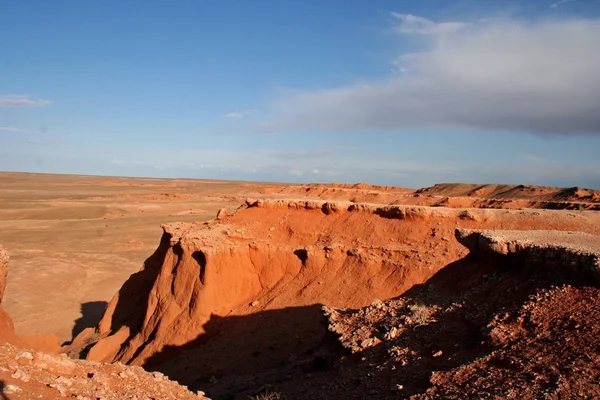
[[321, 292]]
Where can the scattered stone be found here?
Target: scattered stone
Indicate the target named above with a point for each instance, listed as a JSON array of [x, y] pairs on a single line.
[[10, 389], [376, 303], [64, 381], [159, 376], [254, 303], [61, 389], [370, 342], [26, 354], [222, 213], [21, 375], [467, 215], [392, 334], [437, 354], [54, 364]]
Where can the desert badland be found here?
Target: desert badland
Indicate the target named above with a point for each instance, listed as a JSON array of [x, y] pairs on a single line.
[[235, 289]]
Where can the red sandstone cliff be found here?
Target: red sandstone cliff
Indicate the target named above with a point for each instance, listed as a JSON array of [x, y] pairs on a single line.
[[218, 303]]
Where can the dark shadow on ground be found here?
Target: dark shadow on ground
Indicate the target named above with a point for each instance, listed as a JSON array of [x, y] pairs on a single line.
[[133, 296], [483, 289], [237, 353], [2, 386], [290, 350], [132, 300], [91, 312]]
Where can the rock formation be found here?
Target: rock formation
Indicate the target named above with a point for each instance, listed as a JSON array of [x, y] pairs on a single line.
[[234, 303], [453, 195], [27, 374]]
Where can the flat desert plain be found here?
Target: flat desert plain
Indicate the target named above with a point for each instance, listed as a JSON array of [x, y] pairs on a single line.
[[73, 239]]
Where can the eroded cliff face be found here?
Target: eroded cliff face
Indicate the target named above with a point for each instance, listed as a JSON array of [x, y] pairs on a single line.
[[27, 373], [227, 302], [576, 251], [516, 318], [268, 256]]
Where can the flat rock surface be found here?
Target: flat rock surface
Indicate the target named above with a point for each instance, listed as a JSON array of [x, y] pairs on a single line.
[[575, 241]]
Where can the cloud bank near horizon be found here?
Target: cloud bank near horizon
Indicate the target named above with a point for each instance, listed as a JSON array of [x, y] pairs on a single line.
[[492, 75]]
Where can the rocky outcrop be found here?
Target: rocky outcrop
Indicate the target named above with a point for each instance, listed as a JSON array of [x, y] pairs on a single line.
[[516, 318], [452, 195], [269, 255], [218, 302], [26, 373], [573, 250]]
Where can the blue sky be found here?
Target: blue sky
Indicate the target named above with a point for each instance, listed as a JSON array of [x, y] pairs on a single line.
[[405, 93]]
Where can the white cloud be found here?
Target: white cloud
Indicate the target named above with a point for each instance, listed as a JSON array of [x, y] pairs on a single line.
[[541, 77], [234, 115], [20, 100], [17, 130], [412, 24], [560, 2], [239, 114]]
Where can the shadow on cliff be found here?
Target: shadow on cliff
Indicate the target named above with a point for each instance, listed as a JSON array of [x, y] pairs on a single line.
[[132, 302], [91, 313], [236, 352], [291, 351]]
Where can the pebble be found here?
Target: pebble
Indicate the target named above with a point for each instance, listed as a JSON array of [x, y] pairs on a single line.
[[64, 381], [10, 389], [61, 389], [159, 376], [27, 355], [21, 375]]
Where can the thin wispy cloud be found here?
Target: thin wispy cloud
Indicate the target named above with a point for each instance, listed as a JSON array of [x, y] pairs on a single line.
[[239, 114], [42, 143], [413, 24], [539, 77], [21, 100], [18, 130], [560, 2]]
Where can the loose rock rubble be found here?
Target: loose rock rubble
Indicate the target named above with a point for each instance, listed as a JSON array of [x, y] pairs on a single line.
[[50, 376]]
